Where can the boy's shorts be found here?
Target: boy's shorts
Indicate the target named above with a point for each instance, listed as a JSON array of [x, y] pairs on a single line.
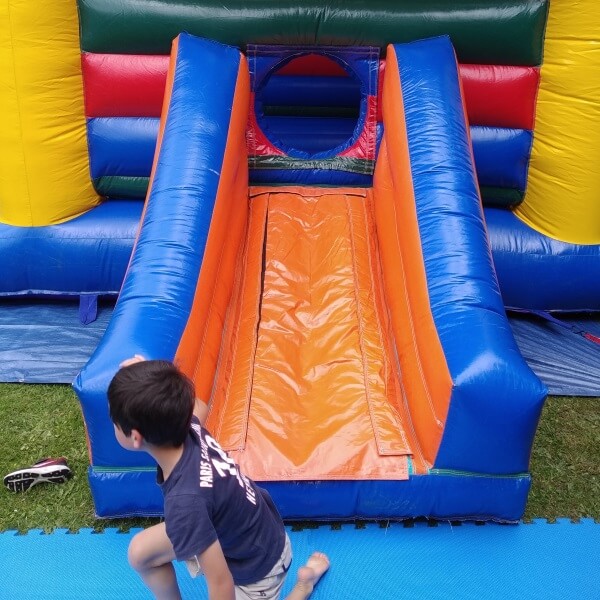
[[270, 587]]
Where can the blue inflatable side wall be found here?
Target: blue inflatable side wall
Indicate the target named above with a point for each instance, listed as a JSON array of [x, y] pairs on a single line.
[[87, 255], [125, 146], [496, 399], [160, 283], [565, 277]]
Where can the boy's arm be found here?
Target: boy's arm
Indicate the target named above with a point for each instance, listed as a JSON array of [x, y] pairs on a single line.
[[200, 410], [217, 573]]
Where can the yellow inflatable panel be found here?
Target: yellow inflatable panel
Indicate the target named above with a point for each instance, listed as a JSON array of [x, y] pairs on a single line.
[[563, 194], [44, 174]]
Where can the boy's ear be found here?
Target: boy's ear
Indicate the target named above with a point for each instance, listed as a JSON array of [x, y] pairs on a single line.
[[137, 439]]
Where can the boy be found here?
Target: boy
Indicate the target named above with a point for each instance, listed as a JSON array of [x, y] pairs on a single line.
[[216, 519]]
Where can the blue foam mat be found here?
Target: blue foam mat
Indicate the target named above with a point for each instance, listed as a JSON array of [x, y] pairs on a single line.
[[466, 561]]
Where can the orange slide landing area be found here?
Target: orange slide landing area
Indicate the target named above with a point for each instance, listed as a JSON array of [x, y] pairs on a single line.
[[307, 386]]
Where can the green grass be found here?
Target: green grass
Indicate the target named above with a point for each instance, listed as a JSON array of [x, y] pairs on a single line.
[[39, 421], [565, 462], [46, 420]]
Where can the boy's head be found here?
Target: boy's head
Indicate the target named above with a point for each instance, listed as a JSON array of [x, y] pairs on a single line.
[[154, 398]]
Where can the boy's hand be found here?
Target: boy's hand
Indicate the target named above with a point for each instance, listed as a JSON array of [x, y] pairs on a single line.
[[136, 358]]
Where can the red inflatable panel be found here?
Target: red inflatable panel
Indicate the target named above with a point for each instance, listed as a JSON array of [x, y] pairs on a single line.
[[495, 95], [130, 85], [500, 96], [124, 85], [313, 64]]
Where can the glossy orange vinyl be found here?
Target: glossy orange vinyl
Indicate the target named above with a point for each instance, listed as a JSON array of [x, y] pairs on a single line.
[[230, 404], [199, 348], [305, 390], [426, 382]]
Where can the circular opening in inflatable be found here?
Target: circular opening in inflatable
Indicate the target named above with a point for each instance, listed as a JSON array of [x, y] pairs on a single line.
[[310, 104]]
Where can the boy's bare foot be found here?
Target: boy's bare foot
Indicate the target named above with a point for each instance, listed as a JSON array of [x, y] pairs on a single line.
[[319, 563], [309, 575]]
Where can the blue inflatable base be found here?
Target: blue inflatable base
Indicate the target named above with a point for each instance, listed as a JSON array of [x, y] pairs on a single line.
[[133, 491]]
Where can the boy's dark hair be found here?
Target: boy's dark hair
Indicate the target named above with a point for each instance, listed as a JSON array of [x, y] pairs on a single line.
[[154, 397]]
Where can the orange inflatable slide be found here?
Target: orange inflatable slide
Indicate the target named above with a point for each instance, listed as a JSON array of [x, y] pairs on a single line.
[[308, 345], [349, 336]]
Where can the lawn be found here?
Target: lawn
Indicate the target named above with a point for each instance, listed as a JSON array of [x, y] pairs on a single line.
[[46, 420]]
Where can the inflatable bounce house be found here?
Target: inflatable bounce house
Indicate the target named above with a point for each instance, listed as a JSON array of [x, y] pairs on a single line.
[[320, 211]]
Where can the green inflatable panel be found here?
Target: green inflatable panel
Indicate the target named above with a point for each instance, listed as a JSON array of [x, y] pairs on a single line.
[[509, 32], [120, 186], [501, 197]]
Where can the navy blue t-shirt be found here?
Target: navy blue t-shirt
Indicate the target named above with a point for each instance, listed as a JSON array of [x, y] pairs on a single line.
[[208, 498]]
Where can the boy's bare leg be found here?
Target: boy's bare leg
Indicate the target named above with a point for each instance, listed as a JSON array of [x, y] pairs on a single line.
[[308, 576], [151, 555]]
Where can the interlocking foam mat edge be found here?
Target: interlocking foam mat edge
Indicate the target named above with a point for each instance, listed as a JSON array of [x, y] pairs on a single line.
[[467, 561]]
